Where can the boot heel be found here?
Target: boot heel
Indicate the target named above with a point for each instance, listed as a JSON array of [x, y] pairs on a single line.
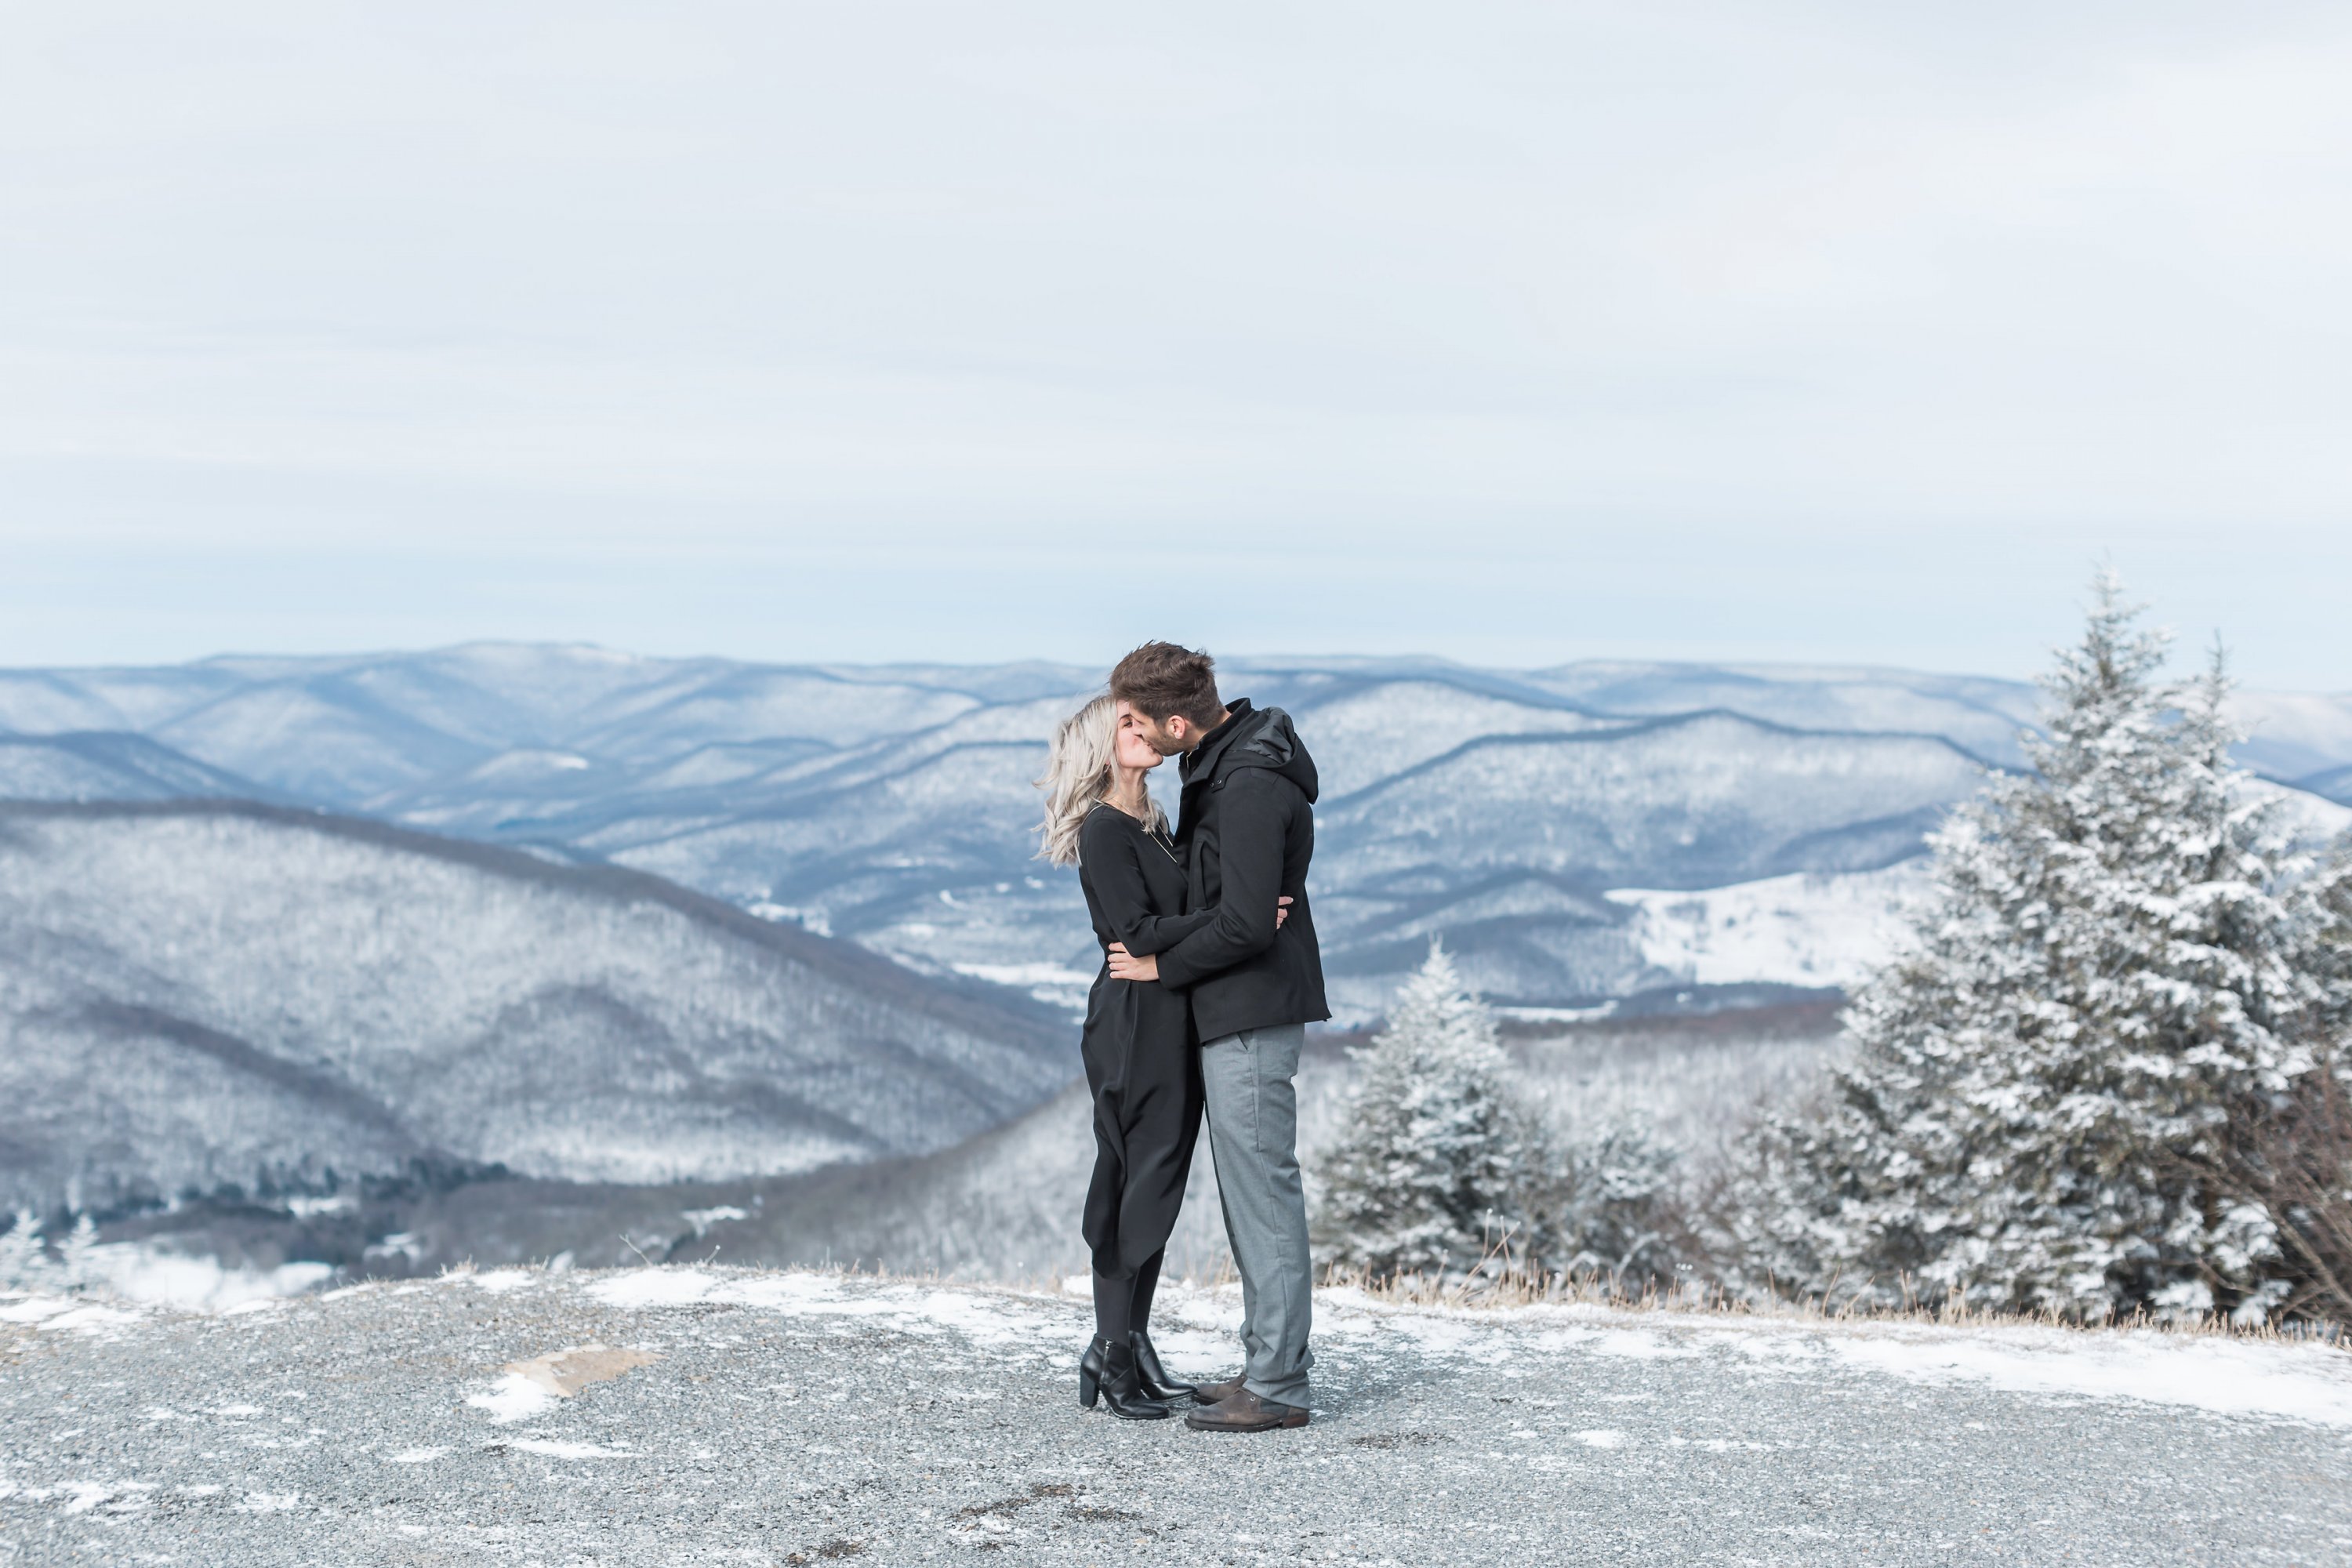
[[1089, 1388]]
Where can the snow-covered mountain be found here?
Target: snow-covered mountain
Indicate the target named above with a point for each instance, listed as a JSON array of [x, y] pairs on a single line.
[[111, 765], [193, 994], [890, 805]]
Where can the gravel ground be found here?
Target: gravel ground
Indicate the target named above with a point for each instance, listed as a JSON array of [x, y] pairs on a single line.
[[786, 1418]]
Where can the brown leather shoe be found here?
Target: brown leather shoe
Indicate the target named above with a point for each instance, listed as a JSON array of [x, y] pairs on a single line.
[[1244, 1412], [1213, 1392]]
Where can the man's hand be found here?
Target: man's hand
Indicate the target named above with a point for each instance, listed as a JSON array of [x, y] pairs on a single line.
[[1125, 966], [1281, 912]]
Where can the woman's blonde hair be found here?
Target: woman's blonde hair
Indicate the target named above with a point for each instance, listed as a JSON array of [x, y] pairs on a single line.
[[1079, 772]]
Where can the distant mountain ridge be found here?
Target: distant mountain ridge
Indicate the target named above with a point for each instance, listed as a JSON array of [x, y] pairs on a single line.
[[90, 765], [196, 993], [891, 804]]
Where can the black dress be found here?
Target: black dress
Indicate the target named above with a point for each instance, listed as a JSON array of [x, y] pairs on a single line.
[[1141, 1055]]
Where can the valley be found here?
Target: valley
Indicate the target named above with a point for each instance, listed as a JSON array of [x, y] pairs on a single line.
[[517, 951]]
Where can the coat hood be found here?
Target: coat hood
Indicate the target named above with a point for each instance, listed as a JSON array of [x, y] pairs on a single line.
[[1253, 738]]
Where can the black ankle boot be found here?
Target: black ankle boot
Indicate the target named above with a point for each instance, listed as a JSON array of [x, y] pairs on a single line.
[[1156, 1380], [1110, 1369]]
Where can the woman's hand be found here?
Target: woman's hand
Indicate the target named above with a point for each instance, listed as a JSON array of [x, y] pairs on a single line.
[[1125, 966]]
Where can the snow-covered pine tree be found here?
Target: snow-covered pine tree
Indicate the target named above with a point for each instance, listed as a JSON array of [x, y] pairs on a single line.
[[2115, 972], [77, 1267], [23, 1260], [1430, 1175]]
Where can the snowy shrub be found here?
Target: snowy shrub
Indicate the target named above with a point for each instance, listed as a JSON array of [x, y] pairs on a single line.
[[2289, 1156], [2123, 976], [2297, 1166], [1432, 1173], [1444, 1168], [1612, 1206]]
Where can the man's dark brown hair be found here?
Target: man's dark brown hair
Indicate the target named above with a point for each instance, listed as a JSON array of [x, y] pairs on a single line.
[[1163, 679]]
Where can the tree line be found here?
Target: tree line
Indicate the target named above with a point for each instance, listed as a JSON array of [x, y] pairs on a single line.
[[2106, 1074]]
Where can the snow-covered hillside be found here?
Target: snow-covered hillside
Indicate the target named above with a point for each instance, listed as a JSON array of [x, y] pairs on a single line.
[[1805, 929], [110, 765], [197, 994], [891, 806]]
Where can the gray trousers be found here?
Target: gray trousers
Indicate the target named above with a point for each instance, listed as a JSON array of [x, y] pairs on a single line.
[[1253, 1138]]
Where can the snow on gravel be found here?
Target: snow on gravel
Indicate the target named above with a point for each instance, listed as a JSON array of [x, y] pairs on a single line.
[[2231, 1377], [715, 1415]]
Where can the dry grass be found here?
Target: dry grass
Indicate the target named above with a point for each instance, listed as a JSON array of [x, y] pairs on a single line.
[[1504, 1286], [1501, 1287]]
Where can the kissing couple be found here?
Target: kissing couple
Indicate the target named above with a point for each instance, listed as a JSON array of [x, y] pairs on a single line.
[[1210, 977]]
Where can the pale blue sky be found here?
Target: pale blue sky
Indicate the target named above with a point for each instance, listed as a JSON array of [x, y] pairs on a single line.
[[1515, 333]]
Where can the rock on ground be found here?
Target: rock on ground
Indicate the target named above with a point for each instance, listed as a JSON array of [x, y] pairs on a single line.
[[712, 1415]]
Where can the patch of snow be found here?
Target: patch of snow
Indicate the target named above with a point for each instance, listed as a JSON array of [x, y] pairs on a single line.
[[498, 1281], [2229, 1377], [1627, 1344], [33, 1309], [87, 1495], [1057, 974], [2226, 1376], [558, 1450], [400, 1243], [809, 920], [1054, 984], [1801, 930], [979, 1317], [654, 1288], [89, 1318], [512, 1398], [304, 1208], [269, 1502], [417, 1455], [703, 1219], [138, 1273], [1601, 1437]]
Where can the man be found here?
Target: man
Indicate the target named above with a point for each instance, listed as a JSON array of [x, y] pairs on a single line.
[[1246, 832]]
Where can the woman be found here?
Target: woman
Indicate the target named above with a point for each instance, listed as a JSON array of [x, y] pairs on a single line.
[[1142, 1059]]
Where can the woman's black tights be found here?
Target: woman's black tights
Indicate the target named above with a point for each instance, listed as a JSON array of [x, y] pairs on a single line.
[[1124, 1304]]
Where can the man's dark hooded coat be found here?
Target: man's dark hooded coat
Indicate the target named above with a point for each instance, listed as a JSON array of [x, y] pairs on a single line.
[[1246, 830]]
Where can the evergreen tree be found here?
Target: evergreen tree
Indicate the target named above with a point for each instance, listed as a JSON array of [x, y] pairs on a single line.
[[1611, 1207], [1429, 1176], [23, 1260], [2117, 971]]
